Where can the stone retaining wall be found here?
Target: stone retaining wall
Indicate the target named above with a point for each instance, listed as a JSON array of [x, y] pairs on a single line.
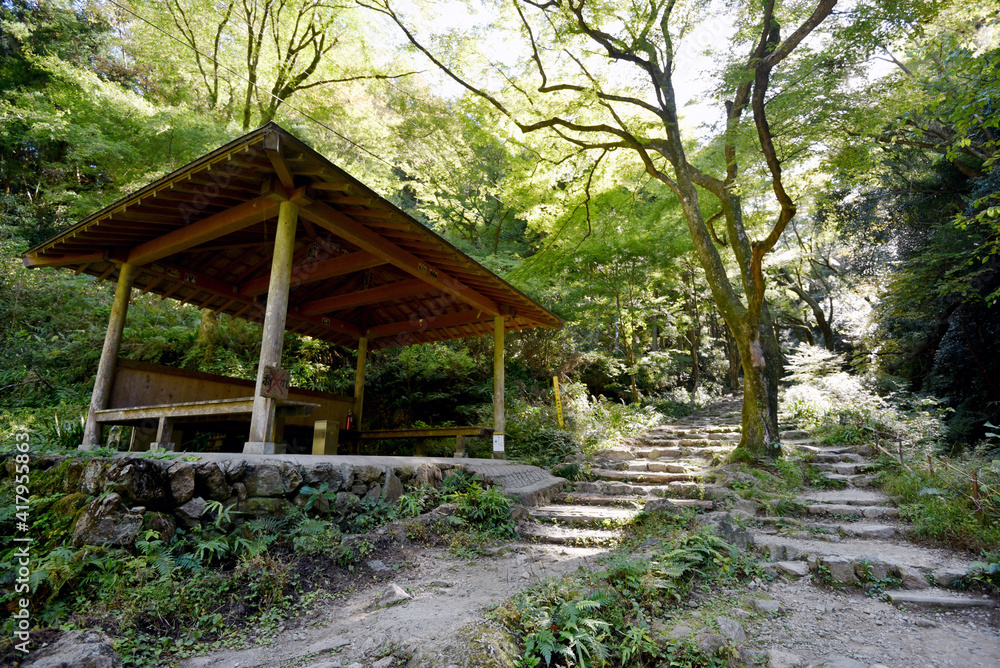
[[114, 499]]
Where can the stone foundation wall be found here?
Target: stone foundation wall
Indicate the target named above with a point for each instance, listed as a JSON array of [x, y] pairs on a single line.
[[114, 499]]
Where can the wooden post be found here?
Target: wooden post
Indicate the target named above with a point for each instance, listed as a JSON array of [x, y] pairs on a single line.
[[326, 435], [164, 433], [460, 446], [262, 439], [359, 381], [109, 355], [499, 420], [559, 410]]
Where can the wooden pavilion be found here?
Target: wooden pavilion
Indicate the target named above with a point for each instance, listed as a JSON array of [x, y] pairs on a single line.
[[266, 229]]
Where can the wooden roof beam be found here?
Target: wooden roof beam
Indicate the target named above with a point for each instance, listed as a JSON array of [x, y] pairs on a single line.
[[225, 222], [365, 297], [359, 235], [316, 271], [416, 325], [272, 146], [63, 260]]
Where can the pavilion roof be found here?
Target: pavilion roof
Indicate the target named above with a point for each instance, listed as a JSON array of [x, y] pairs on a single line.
[[362, 267]]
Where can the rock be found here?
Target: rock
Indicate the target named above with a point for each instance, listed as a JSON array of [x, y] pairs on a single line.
[[378, 565], [393, 488], [70, 505], [359, 489], [264, 480], [871, 570], [236, 470], [838, 661], [210, 482], [385, 662], [427, 474], [708, 642], [840, 569], [374, 493], [792, 569], [661, 506], [777, 658], [519, 512], [142, 480], [73, 472], [240, 491], [680, 632], [716, 492], [767, 606], [189, 514], [391, 595], [106, 522], [734, 535], [912, 578], [932, 600], [345, 500], [732, 630], [949, 578], [181, 475], [367, 474], [162, 523], [291, 478], [76, 649], [745, 506], [94, 476], [323, 472]]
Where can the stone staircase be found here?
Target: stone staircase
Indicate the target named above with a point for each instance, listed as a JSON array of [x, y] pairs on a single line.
[[853, 536], [669, 462]]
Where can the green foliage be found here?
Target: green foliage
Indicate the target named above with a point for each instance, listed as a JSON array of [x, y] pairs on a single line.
[[485, 510], [603, 618]]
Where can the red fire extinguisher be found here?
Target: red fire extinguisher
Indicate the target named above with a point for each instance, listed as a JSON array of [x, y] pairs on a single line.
[[349, 423]]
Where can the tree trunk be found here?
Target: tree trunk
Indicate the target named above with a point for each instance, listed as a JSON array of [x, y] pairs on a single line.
[[760, 393], [733, 355]]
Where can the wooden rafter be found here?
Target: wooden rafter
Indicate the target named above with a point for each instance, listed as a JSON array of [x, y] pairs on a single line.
[[382, 293]]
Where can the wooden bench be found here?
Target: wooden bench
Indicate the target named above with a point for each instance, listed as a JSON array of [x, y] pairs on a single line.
[[166, 414], [460, 434]]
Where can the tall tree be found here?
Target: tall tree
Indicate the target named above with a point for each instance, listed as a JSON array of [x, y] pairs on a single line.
[[610, 85]]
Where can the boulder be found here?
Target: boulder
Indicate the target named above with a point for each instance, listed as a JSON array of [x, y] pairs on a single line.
[[264, 480], [427, 474], [841, 570], [732, 630], [181, 475], [189, 515], [393, 594], [239, 491], [291, 477], [106, 522], [661, 506], [94, 476], [709, 643], [162, 523], [374, 493], [912, 578], [210, 482], [777, 658], [72, 475], [143, 480], [367, 474], [345, 500], [76, 649], [393, 488], [346, 476], [734, 535], [236, 470], [323, 472]]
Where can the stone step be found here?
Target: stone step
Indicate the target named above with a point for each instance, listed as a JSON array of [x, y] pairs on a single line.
[[660, 453], [558, 535], [835, 457], [937, 599], [625, 501], [857, 480], [639, 476], [847, 497], [845, 510], [820, 530], [841, 467], [580, 514], [881, 558], [659, 467]]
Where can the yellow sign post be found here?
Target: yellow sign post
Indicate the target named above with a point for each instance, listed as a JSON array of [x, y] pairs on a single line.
[[559, 413]]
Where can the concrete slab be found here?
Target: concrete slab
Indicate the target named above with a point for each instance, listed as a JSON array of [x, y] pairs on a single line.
[[938, 599]]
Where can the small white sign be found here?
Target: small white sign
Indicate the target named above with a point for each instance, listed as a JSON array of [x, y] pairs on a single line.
[[497, 442]]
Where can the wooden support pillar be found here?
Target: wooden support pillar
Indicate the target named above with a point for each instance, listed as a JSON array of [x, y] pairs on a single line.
[[262, 422], [109, 356], [359, 381], [499, 419], [164, 435]]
